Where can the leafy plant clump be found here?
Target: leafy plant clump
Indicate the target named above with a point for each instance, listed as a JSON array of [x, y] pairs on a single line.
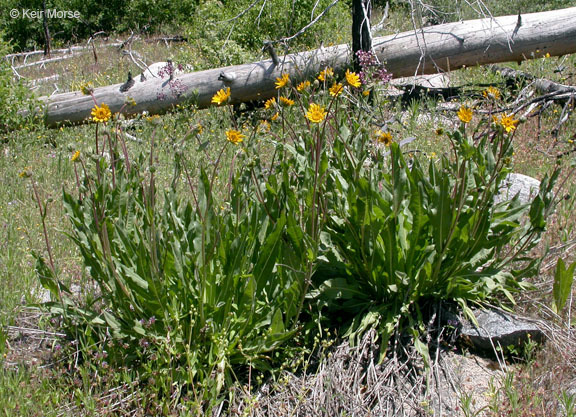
[[312, 209], [14, 95]]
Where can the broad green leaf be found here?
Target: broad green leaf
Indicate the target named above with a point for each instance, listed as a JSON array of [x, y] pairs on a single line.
[[563, 279]]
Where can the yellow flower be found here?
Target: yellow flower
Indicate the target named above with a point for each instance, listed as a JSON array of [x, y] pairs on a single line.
[[101, 113], [273, 118], [508, 123], [547, 55], [286, 101], [491, 92], [336, 89], [465, 114], [234, 136], [25, 173], [221, 96], [87, 88], [270, 103], [352, 79], [304, 85], [316, 113], [282, 81], [154, 120], [366, 93], [75, 157], [264, 126], [384, 137], [326, 73]]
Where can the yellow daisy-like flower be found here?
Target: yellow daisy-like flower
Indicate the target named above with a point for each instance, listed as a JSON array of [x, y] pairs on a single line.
[[101, 114], [507, 122], [221, 96], [336, 89], [282, 81], [304, 85], [326, 73], [286, 101], [276, 115], [384, 137], [465, 114], [316, 113], [270, 103], [352, 79], [491, 92], [366, 93], [234, 136], [75, 157]]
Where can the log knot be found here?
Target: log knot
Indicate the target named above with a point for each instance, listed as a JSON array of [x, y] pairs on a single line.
[[227, 77]]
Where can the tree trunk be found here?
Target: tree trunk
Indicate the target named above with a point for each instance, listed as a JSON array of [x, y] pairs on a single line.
[[47, 39], [361, 36], [429, 50]]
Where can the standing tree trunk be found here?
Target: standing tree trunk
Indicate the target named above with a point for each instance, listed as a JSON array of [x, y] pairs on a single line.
[[361, 37], [47, 42]]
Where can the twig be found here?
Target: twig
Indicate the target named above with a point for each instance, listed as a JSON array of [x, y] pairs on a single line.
[[305, 28], [381, 24], [243, 12], [44, 61], [27, 330], [132, 138], [564, 116]]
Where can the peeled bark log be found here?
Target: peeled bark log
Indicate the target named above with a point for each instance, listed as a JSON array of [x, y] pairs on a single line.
[[429, 50]]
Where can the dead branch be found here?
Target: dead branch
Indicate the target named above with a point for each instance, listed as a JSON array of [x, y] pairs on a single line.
[[167, 39], [45, 61], [34, 83], [380, 25], [309, 25]]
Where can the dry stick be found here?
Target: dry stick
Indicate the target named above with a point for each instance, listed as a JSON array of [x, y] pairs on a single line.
[[381, 24], [45, 230], [70, 50], [44, 61], [564, 116], [309, 25]]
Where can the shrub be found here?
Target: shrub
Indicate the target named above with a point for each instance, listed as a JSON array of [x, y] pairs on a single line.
[[14, 95]]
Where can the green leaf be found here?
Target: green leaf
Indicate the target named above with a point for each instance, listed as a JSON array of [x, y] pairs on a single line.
[[563, 279], [277, 325]]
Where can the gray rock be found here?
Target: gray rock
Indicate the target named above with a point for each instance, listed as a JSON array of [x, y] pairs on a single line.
[[513, 184], [497, 328]]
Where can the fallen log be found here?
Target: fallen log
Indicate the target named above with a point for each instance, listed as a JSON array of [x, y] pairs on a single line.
[[428, 50]]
